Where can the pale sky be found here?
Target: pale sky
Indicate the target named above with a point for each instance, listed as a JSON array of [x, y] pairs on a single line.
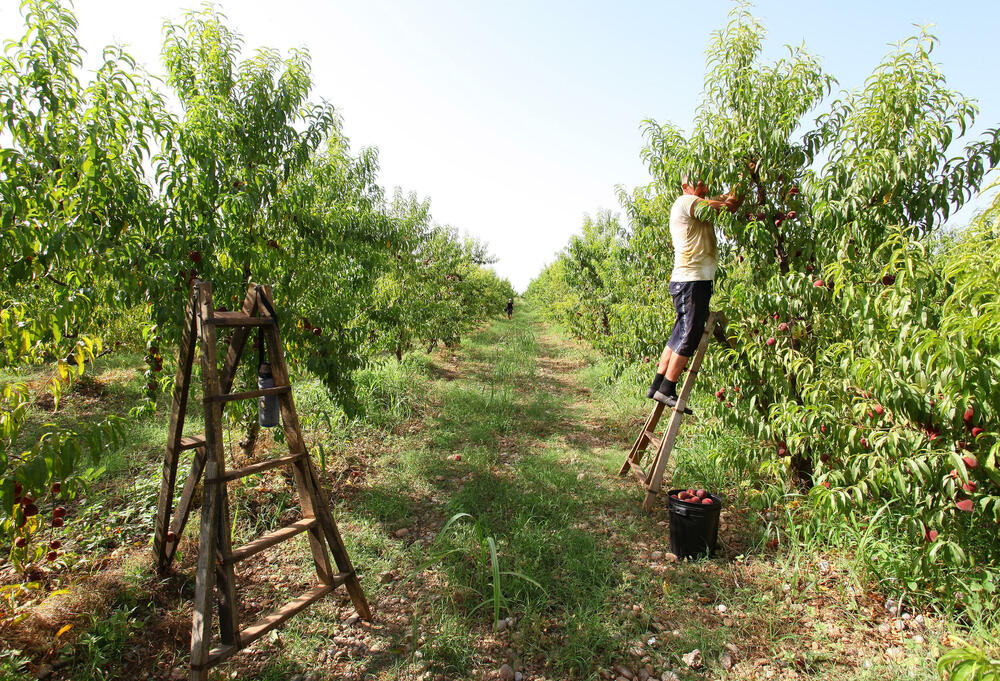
[[517, 118]]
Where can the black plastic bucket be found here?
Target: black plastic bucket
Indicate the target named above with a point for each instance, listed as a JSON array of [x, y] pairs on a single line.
[[694, 528]]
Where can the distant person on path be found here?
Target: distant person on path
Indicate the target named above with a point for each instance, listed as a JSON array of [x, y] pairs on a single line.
[[510, 308], [695, 262]]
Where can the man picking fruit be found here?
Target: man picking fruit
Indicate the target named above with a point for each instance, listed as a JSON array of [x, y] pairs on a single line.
[[695, 262]]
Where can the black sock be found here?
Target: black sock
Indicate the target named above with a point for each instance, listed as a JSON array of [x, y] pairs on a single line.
[[668, 387], [654, 386]]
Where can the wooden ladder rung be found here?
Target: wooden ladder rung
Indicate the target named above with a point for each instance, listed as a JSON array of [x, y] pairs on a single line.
[[270, 539], [238, 319], [249, 394], [637, 469], [258, 467], [653, 440], [192, 442], [275, 619]]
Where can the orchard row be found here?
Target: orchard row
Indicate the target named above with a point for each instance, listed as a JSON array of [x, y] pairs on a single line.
[[113, 200], [860, 352]]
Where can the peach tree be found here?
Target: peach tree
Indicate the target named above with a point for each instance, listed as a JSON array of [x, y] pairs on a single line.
[[857, 346]]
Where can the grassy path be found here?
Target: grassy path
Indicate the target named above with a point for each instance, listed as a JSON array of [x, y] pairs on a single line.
[[495, 540], [585, 589]]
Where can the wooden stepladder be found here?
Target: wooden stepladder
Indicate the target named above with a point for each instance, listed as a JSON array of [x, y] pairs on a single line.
[[215, 578], [652, 478]]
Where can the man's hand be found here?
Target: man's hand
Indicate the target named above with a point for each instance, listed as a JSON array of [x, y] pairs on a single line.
[[732, 203]]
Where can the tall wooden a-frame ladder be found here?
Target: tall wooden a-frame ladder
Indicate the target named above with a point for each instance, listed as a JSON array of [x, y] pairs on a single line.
[[651, 479], [215, 579]]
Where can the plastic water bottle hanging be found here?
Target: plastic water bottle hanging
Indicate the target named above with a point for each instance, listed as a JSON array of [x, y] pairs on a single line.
[[267, 407]]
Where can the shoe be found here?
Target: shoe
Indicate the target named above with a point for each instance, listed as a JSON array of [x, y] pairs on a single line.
[[670, 401], [663, 398]]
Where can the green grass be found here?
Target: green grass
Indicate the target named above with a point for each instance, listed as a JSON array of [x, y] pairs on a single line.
[[546, 534]]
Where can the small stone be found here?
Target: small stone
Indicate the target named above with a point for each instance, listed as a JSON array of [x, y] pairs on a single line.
[[176, 674], [726, 661], [692, 659], [721, 608], [581, 476], [656, 555], [899, 625], [518, 676], [823, 566], [387, 577], [402, 532], [663, 523], [651, 641], [624, 671], [643, 675], [352, 620], [918, 639], [892, 606], [297, 677], [506, 672], [669, 675], [606, 675], [670, 557], [500, 625]]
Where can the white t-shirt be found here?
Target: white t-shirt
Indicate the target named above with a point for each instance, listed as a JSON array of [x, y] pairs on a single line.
[[695, 249]]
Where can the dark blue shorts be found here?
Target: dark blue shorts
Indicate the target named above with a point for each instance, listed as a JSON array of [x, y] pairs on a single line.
[[691, 302]]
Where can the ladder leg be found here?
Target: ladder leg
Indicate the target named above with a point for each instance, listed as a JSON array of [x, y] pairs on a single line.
[[182, 380], [309, 500], [639, 447], [658, 470], [339, 551], [229, 626], [201, 625]]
